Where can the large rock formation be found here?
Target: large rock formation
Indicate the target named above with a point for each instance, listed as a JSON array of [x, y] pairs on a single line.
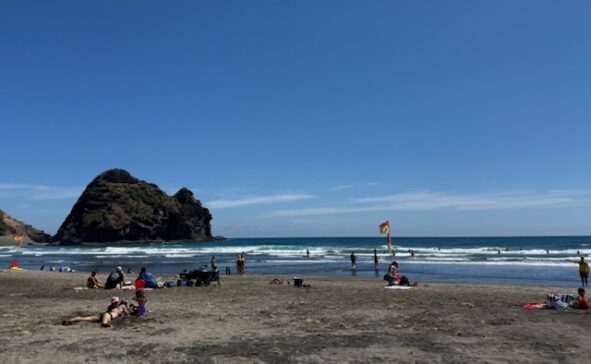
[[10, 226], [117, 207]]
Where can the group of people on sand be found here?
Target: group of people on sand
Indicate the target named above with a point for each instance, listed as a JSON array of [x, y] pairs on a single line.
[[117, 280], [118, 308]]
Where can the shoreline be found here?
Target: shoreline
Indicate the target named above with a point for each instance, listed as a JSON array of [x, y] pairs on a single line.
[[246, 319]]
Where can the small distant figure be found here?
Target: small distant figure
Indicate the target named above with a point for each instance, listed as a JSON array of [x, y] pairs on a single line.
[[307, 253], [92, 282], [499, 251], [42, 267], [412, 253], [583, 271], [52, 268], [353, 260], [228, 271], [506, 249], [547, 251], [214, 275], [578, 253], [375, 257], [212, 262], [129, 271], [240, 264]]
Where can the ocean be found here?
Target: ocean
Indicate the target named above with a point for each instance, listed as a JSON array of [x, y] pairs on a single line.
[[496, 260]]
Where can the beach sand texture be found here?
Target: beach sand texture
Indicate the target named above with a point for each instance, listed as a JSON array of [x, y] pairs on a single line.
[[247, 320]]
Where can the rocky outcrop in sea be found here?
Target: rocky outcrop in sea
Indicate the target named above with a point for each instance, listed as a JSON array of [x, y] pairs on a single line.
[[117, 207]]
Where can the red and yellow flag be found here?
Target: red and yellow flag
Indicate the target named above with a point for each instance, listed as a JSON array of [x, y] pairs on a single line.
[[385, 227], [18, 237]]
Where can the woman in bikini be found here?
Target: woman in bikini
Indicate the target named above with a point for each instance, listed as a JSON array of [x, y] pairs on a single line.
[[118, 308]]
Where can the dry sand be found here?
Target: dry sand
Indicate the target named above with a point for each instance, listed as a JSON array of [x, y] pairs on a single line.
[[248, 320]]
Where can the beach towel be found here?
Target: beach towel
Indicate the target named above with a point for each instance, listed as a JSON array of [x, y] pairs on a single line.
[[534, 306], [399, 287]]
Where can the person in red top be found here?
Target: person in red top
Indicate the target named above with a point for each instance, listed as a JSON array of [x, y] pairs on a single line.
[[582, 302]]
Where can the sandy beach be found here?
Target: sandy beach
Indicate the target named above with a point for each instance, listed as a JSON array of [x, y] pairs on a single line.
[[248, 320]]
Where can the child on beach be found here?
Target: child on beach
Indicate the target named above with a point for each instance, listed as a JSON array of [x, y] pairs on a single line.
[[140, 309], [581, 302]]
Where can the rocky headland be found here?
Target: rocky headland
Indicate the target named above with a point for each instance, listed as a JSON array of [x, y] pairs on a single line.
[[10, 226], [117, 207]]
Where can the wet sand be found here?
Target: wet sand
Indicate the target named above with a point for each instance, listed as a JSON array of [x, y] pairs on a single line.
[[248, 320]]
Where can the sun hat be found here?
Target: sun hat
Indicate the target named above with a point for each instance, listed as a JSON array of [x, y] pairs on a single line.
[[119, 269], [114, 299]]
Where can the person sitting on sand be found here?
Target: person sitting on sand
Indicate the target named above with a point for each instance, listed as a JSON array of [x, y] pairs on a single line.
[[148, 278], [115, 279], [140, 309], [581, 302], [392, 276], [117, 308], [92, 282]]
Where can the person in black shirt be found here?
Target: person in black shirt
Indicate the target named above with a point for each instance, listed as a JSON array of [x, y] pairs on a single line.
[[115, 279]]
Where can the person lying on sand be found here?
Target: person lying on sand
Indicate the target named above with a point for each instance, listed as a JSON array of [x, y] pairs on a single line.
[[92, 282], [581, 302], [117, 308]]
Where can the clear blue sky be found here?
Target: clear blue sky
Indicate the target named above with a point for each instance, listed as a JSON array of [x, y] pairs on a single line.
[[306, 118]]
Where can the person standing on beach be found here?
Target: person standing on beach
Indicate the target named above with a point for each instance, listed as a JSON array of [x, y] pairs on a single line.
[[240, 264], [307, 253], [212, 262], [375, 257], [583, 271], [353, 260]]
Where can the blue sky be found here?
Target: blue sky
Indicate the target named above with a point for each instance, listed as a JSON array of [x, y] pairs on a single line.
[[306, 118]]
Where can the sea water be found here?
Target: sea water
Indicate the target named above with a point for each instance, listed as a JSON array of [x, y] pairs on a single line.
[[498, 260]]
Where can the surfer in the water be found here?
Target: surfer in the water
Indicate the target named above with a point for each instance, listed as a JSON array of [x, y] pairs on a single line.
[[353, 260]]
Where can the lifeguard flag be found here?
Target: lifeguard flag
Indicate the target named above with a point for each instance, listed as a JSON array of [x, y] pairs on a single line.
[[18, 237], [385, 227]]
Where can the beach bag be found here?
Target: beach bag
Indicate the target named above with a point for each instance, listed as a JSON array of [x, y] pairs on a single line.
[[559, 301]]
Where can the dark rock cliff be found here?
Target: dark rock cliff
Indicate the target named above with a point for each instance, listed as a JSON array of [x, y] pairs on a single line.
[[117, 207], [10, 226]]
